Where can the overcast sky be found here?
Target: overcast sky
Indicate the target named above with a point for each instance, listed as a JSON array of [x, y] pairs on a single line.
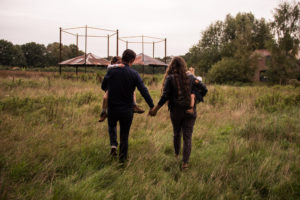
[[180, 21]]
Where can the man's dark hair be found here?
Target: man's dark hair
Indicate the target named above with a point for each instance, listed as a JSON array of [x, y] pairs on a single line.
[[128, 56], [115, 59]]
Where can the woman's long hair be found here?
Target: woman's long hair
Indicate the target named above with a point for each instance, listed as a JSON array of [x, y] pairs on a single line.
[[178, 69]]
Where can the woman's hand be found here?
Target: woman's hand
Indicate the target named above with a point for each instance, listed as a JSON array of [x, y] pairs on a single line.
[[154, 110]]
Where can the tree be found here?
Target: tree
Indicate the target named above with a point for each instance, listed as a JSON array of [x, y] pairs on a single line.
[[18, 58], [228, 70], [207, 52], [53, 53], [35, 54], [6, 52], [74, 51], [237, 37], [284, 47], [68, 52], [262, 34], [11, 54], [286, 27]]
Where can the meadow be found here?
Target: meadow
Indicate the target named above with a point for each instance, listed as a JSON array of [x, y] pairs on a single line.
[[246, 143]]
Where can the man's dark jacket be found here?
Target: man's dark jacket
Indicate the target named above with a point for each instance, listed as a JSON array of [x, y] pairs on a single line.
[[121, 83]]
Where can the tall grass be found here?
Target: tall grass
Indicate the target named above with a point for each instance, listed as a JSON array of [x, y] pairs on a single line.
[[245, 144]]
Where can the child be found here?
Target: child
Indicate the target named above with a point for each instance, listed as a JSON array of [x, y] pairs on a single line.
[[116, 62], [191, 71]]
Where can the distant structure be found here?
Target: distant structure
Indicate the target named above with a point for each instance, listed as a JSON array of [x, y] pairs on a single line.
[[264, 62], [144, 60], [85, 60], [92, 60], [142, 41], [70, 31]]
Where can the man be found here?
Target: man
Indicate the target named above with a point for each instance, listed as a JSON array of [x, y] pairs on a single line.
[[121, 83], [116, 62]]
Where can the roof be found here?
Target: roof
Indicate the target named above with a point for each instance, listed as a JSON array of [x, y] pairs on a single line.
[[262, 52], [265, 53], [91, 59], [147, 61]]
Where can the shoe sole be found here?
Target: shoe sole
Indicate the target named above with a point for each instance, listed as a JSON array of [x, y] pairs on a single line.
[[139, 112]]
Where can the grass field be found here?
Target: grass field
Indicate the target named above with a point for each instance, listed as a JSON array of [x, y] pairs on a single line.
[[246, 144]]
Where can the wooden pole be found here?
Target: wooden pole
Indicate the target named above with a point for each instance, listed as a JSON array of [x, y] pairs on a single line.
[[108, 46], [126, 44], [143, 47], [153, 49], [77, 44], [143, 70], [117, 42], [166, 50], [85, 48], [60, 48]]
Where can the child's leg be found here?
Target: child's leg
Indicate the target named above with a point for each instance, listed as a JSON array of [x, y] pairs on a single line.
[[103, 114], [136, 109], [105, 102], [192, 100], [134, 99], [192, 104]]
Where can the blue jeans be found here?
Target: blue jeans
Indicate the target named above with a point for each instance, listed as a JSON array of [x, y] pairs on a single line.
[[125, 120]]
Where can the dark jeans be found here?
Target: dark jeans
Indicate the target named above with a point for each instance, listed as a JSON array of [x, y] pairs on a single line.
[[183, 124], [125, 120]]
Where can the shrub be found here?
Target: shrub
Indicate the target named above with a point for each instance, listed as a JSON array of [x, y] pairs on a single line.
[[228, 70]]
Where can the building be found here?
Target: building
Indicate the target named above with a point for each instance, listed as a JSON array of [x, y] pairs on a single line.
[[264, 62]]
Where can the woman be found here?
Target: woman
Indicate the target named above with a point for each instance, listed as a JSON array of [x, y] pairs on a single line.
[[177, 87]]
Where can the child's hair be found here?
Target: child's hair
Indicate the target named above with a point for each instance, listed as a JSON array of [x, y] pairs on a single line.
[[115, 60]]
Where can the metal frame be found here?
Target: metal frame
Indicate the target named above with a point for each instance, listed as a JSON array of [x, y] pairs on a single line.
[[154, 41], [66, 30]]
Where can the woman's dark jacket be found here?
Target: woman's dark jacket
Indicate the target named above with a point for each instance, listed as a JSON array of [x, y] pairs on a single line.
[[170, 92]]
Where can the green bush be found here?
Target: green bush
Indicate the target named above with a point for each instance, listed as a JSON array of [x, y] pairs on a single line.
[[228, 70]]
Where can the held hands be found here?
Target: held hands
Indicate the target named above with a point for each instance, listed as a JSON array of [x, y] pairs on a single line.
[[154, 110]]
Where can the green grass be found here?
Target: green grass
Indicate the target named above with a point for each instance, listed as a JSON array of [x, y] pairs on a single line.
[[245, 144]]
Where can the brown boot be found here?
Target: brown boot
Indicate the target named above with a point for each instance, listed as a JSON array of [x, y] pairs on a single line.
[[184, 166], [138, 110], [190, 111], [113, 152], [103, 116]]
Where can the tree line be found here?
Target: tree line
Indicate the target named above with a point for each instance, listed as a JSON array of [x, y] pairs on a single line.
[[225, 51], [35, 55]]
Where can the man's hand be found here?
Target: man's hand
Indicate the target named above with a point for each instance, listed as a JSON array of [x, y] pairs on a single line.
[[152, 112]]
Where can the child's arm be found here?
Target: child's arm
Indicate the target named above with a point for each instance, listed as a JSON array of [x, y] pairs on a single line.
[[115, 65]]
